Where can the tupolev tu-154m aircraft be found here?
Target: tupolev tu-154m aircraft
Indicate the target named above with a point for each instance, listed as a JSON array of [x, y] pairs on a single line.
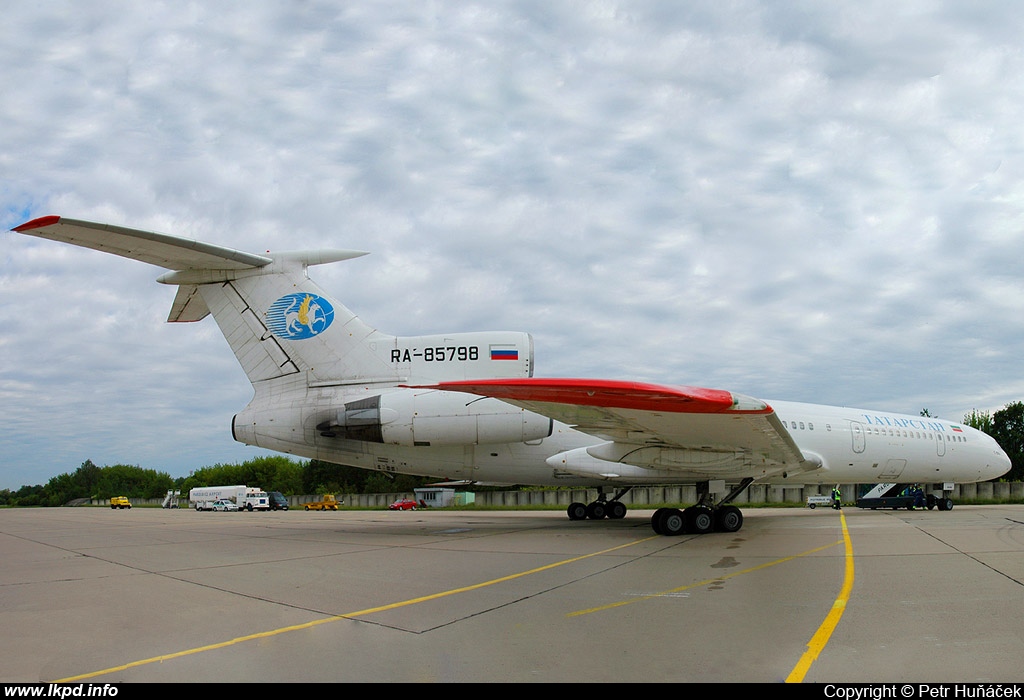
[[466, 406]]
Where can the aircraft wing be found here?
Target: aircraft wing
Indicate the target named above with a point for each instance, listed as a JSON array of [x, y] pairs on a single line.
[[170, 252], [648, 423]]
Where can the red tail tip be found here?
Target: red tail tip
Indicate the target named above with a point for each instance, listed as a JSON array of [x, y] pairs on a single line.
[[37, 223]]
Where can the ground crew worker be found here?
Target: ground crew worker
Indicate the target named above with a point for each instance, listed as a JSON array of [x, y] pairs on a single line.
[[836, 498]]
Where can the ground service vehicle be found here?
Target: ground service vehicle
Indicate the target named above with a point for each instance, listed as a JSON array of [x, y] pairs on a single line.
[[896, 496], [221, 504], [815, 501], [328, 502], [277, 500], [245, 497], [403, 504], [120, 502]]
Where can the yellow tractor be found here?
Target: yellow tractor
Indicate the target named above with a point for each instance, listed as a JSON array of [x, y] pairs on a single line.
[[327, 502]]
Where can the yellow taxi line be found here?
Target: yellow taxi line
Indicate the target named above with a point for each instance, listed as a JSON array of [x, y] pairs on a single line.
[[335, 618], [814, 647], [821, 637], [698, 584]]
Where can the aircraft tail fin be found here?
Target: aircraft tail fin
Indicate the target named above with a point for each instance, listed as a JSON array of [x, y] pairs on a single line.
[[276, 320], [282, 326]]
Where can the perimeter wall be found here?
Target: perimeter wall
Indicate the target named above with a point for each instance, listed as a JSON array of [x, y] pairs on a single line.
[[643, 496]]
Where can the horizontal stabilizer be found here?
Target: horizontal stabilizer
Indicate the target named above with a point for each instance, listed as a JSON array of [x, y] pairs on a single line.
[[163, 250]]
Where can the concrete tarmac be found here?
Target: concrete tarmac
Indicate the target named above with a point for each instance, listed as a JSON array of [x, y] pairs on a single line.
[[799, 595]]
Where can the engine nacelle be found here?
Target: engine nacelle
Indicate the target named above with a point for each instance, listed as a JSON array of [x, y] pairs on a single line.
[[414, 417], [646, 464]]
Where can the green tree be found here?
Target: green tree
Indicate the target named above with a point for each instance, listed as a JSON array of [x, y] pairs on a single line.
[[270, 473], [287, 476], [132, 481], [90, 481], [982, 420], [1008, 430], [29, 496], [87, 478], [379, 483], [327, 477], [59, 490]]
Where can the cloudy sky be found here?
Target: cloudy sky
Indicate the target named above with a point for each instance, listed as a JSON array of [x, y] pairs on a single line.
[[808, 201]]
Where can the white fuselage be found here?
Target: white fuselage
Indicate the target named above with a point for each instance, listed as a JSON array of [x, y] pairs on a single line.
[[851, 445], [865, 446]]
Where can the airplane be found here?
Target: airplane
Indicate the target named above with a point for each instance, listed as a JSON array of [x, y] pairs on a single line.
[[467, 407]]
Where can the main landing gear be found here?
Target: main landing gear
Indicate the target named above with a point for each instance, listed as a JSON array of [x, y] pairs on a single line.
[[697, 520], [601, 508], [702, 517]]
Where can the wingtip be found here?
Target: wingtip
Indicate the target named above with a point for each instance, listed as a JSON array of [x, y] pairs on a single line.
[[41, 222]]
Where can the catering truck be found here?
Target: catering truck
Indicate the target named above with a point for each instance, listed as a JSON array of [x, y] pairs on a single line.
[[245, 497]]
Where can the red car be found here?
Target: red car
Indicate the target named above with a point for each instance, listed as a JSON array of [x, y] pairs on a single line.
[[404, 504]]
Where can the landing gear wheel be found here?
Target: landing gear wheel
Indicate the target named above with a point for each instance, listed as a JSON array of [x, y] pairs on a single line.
[[616, 510], [729, 519], [671, 522], [699, 520], [596, 511], [577, 511], [656, 520]]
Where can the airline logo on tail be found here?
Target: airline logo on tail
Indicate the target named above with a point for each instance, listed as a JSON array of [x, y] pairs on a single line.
[[299, 316]]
